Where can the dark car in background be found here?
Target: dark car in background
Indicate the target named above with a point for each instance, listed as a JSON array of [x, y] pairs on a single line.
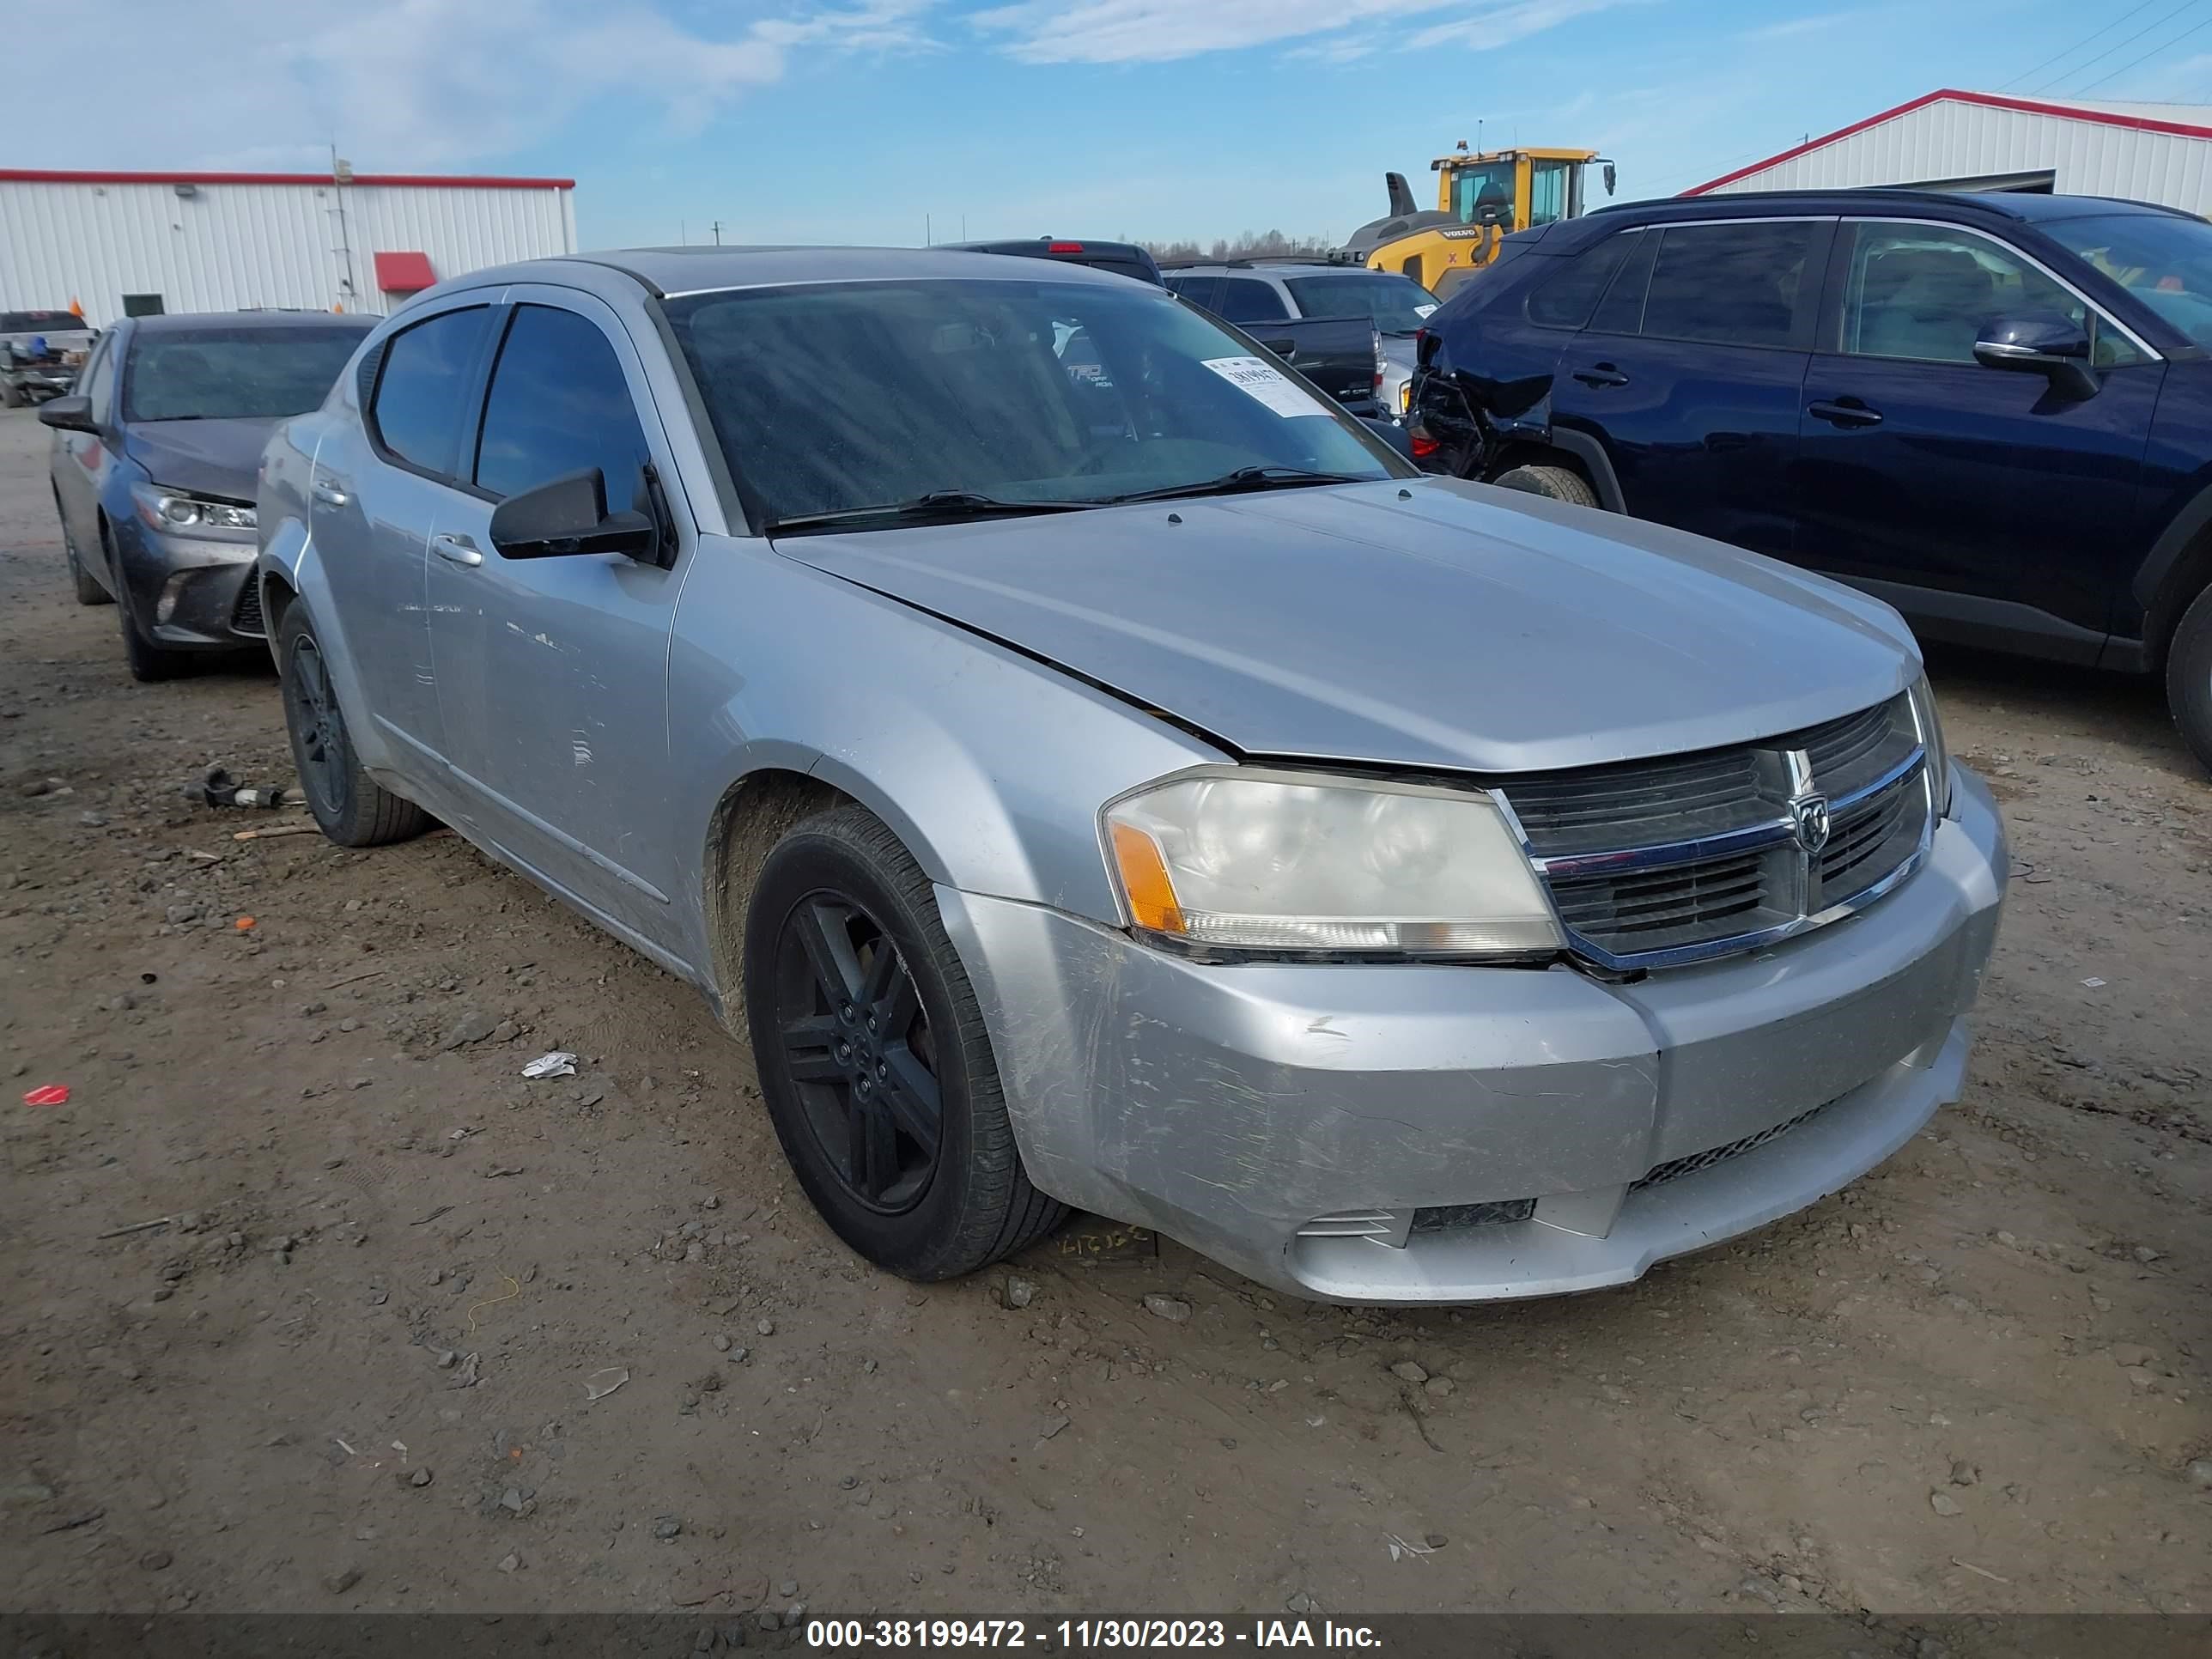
[[155, 462], [1994, 412], [41, 352], [1290, 298]]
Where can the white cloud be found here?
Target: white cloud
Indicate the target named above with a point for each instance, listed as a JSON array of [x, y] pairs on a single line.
[[1790, 27], [409, 83], [1155, 31]]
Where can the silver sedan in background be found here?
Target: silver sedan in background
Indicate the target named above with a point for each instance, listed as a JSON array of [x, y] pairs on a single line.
[[1126, 785]]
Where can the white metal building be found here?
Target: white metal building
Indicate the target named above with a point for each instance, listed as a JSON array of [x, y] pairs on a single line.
[[119, 244], [1982, 141]]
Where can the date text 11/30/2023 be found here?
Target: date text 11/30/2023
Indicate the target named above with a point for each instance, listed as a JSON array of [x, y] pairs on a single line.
[[1087, 1634]]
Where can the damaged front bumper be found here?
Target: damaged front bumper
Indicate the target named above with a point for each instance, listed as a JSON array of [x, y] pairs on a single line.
[[1433, 1133]]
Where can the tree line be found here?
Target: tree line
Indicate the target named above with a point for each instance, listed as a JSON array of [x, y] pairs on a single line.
[[1251, 245]]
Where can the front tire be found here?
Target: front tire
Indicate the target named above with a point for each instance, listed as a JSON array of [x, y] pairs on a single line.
[[873, 1060], [2189, 678], [350, 807], [1561, 483], [148, 663]]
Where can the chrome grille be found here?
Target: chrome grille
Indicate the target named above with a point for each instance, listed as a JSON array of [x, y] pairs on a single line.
[[1692, 856]]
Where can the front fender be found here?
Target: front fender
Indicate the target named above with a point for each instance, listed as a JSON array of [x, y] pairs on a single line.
[[989, 766]]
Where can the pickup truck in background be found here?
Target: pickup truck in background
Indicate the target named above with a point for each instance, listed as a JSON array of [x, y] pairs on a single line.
[[41, 352], [1304, 303]]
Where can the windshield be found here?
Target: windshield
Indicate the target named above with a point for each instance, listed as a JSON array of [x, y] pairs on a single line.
[[2166, 264], [832, 397], [1396, 305], [234, 373]]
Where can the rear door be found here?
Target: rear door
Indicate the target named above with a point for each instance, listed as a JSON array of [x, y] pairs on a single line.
[[380, 490], [1981, 501], [552, 672], [1689, 374]]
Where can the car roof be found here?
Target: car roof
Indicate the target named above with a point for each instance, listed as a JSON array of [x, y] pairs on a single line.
[[1036, 246], [2024, 205], [667, 272], [1315, 262], [190, 322]]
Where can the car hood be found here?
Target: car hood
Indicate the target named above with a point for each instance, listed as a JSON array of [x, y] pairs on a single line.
[[1426, 623], [215, 458]]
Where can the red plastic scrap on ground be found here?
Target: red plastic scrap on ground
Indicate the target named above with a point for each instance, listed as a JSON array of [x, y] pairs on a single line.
[[53, 1094]]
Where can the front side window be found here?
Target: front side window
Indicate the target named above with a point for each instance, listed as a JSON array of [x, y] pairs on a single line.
[[1928, 292], [836, 396], [426, 374], [1489, 185], [2165, 263], [1199, 290], [1747, 284], [1395, 305], [559, 403], [218, 374], [1547, 192], [98, 380]]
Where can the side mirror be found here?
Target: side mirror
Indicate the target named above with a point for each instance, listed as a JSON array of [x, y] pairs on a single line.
[[1610, 176], [2041, 343], [69, 414], [569, 516]]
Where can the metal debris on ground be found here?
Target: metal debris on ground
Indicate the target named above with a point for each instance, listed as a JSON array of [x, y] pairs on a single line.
[[218, 788], [51, 1094], [556, 1062]]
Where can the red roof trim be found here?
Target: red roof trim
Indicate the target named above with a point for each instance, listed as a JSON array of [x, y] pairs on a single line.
[[1987, 100], [415, 180]]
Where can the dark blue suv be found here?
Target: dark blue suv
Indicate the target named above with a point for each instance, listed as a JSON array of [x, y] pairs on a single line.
[[1994, 412]]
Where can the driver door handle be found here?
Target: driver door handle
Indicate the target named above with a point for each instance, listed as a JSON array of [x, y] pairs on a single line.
[[327, 493], [1845, 411], [1601, 375], [456, 549]]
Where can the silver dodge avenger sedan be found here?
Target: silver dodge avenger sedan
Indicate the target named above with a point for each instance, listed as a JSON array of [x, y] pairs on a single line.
[[1094, 772]]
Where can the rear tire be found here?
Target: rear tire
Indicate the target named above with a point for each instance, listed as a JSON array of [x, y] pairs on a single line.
[[1559, 483], [917, 1172], [2189, 678], [350, 807]]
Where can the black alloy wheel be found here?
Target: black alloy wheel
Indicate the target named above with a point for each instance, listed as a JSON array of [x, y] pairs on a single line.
[[858, 1046]]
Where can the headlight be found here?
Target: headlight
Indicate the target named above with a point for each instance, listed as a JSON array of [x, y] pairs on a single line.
[[1275, 861], [1931, 740], [180, 513]]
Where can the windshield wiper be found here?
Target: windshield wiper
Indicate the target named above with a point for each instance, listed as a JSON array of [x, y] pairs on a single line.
[[937, 507], [1241, 480]]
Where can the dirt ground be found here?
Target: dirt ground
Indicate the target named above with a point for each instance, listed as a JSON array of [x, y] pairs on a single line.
[[354, 1369]]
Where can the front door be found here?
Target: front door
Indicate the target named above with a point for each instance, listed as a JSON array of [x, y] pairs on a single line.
[[1688, 375], [552, 672], [83, 458], [377, 494], [1985, 503]]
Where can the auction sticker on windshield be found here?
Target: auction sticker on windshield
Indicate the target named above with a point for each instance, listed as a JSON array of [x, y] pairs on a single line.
[[1266, 383]]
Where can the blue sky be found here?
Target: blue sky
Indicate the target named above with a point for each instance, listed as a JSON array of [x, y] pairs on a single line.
[[851, 120]]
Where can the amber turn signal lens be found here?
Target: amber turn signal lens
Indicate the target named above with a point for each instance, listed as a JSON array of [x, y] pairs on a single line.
[[1145, 878]]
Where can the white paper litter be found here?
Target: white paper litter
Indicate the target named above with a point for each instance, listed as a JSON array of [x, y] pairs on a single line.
[[556, 1063]]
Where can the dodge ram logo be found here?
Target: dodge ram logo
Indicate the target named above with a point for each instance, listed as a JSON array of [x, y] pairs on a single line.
[[1809, 816]]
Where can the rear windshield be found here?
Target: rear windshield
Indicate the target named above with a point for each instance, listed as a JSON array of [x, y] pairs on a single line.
[[1124, 268], [842, 396], [1396, 305], [234, 373], [41, 322]]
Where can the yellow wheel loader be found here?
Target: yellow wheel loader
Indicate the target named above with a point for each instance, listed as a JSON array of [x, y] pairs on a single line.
[[1479, 198]]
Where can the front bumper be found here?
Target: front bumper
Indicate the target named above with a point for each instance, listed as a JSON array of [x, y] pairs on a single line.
[[1295, 1120], [207, 588]]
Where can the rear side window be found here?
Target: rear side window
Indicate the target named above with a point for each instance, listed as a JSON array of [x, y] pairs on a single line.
[[1749, 283], [427, 370], [559, 403], [1566, 297], [1246, 299], [1199, 290]]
